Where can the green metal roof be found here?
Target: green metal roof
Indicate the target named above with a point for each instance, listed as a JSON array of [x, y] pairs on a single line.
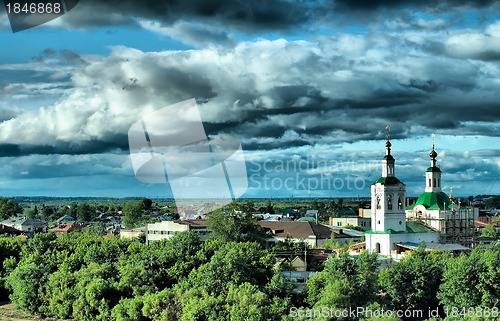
[[433, 169], [433, 201], [346, 212], [389, 231], [415, 227], [411, 227], [410, 207], [388, 181], [388, 157]]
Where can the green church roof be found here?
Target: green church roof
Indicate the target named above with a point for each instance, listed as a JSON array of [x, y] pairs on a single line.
[[433, 169], [416, 227], [411, 227], [388, 181], [433, 201]]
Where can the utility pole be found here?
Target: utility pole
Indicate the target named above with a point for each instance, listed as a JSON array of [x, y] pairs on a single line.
[[305, 255]]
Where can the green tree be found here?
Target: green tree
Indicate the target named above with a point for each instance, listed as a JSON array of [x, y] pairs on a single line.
[[60, 294], [269, 207], [132, 214], [46, 213], [233, 227], [147, 203], [8, 208], [129, 310], [352, 227], [247, 303], [38, 244], [413, 282], [96, 229], [30, 212], [85, 213], [95, 293], [27, 283], [472, 281], [491, 231], [340, 203], [10, 252], [345, 282], [162, 306]]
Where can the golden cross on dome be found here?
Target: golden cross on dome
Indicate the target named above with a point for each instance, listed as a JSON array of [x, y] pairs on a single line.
[[387, 130], [433, 139]]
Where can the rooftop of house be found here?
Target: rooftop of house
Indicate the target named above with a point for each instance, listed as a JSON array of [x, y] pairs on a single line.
[[66, 218], [137, 229], [300, 230], [346, 212], [73, 226], [22, 221], [4, 229], [193, 223]]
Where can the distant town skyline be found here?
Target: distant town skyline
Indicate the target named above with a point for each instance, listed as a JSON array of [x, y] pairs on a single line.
[[312, 83]]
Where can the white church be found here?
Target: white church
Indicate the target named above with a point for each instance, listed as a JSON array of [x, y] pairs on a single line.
[[391, 232]]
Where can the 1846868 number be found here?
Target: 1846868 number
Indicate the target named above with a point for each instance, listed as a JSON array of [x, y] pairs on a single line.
[[34, 7]]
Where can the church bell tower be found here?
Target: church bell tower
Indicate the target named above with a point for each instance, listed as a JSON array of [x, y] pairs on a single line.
[[388, 197]]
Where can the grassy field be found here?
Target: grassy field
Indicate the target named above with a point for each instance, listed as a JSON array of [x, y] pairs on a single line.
[[9, 313]]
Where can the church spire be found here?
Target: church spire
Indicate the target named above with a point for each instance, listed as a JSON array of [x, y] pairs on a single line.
[[433, 173], [388, 142], [433, 153], [388, 161]]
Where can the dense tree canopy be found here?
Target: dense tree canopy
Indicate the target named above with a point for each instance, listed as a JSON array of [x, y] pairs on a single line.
[[85, 277]]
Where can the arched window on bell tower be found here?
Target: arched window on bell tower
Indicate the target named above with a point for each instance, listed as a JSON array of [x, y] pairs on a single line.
[[389, 202]]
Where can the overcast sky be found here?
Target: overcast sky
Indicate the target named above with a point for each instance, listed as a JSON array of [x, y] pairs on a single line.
[[307, 87]]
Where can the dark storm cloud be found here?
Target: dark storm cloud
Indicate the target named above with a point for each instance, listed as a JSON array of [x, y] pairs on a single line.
[[431, 4], [117, 143], [246, 15]]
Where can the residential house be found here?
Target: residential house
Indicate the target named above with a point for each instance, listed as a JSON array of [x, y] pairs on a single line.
[[65, 219], [26, 224], [167, 229], [66, 228], [7, 230], [315, 235], [132, 233], [346, 217]]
